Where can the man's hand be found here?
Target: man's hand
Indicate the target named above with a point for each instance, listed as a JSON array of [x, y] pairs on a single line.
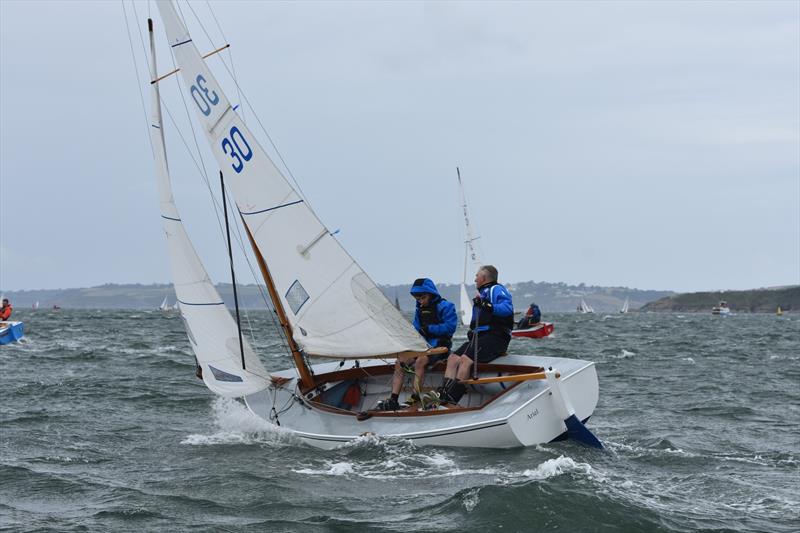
[[483, 304]]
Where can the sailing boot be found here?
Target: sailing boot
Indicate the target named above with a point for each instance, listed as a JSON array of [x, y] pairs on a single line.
[[456, 391], [444, 388], [389, 404]]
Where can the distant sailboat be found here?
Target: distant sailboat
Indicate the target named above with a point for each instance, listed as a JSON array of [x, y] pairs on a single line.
[[779, 312], [625, 306], [35, 305], [722, 309], [470, 258], [164, 306], [585, 308]]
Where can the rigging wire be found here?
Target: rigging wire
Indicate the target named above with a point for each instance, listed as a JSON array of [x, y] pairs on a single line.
[[138, 80], [230, 53], [240, 239], [204, 174], [243, 96], [200, 167]]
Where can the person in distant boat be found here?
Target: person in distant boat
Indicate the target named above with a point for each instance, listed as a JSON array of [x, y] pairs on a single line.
[[489, 333], [5, 310], [532, 317], [435, 318]]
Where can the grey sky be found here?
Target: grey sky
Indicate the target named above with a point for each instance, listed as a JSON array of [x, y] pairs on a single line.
[[648, 144]]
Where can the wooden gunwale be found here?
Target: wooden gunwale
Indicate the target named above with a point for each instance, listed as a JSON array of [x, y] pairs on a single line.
[[380, 370]]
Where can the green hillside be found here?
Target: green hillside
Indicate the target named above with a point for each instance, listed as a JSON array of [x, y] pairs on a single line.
[[752, 301]]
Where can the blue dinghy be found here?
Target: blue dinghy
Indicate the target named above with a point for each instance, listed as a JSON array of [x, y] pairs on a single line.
[[10, 332]]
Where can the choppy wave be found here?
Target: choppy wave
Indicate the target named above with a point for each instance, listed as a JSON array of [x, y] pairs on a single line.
[[105, 429]]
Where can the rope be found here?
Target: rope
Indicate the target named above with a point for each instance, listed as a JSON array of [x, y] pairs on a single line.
[[138, 80]]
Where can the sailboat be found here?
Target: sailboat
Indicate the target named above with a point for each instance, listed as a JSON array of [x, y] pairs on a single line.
[[328, 307], [779, 312], [35, 305], [585, 308], [625, 306], [471, 260], [10, 331], [164, 305], [722, 309]]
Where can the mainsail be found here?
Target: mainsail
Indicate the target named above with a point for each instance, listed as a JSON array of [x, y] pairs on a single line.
[[334, 308], [212, 331], [470, 257]]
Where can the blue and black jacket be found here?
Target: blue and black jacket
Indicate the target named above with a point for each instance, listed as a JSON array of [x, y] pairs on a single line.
[[437, 321], [497, 318]]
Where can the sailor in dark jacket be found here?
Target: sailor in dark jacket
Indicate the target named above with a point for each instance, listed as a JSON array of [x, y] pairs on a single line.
[[436, 320], [532, 317], [489, 333]]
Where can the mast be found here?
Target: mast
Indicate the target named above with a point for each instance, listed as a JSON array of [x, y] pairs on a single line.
[[469, 250], [306, 378]]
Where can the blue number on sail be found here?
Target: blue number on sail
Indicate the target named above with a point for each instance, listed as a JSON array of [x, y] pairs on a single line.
[[232, 147], [234, 132], [206, 100], [228, 148]]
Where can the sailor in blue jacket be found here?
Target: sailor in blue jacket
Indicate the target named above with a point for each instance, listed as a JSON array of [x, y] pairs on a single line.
[[489, 333], [436, 320]]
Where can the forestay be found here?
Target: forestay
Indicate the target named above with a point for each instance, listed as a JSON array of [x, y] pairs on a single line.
[[334, 308], [212, 331], [470, 258]]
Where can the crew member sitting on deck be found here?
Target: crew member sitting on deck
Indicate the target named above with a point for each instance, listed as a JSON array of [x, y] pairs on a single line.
[[436, 320], [489, 333], [532, 317], [5, 310]]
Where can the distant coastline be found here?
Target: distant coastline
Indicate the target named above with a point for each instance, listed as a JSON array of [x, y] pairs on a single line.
[[752, 301], [551, 297]]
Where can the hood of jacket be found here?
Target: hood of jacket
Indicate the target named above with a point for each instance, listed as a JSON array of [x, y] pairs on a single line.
[[423, 286]]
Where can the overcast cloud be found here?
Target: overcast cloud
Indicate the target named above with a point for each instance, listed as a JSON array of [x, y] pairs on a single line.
[[646, 144]]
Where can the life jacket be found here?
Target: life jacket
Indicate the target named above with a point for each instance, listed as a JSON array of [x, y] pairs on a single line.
[[5, 312], [428, 316], [489, 322]]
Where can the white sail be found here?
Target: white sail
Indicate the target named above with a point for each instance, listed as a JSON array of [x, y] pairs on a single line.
[[334, 308], [471, 258], [625, 306], [212, 331], [164, 305], [586, 308]]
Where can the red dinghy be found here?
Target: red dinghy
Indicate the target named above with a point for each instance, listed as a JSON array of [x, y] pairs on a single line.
[[542, 329]]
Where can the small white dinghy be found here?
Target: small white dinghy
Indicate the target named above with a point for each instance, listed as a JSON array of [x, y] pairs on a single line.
[[329, 307]]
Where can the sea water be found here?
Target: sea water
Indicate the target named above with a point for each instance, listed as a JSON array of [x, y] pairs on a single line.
[[105, 428]]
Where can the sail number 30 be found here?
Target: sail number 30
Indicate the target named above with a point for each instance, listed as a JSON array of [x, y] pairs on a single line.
[[202, 96], [235, 145]]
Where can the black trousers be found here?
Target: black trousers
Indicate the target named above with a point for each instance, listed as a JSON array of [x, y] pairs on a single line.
[[490, 347]]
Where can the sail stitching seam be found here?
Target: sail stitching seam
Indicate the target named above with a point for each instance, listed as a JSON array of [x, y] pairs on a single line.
[[271, 208]]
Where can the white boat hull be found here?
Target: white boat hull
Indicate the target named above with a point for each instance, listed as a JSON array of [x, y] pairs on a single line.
[[523, 416]]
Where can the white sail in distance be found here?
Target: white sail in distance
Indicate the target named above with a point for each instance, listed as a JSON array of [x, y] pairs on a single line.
[[211, 329], [334, 308], [471, 258]]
